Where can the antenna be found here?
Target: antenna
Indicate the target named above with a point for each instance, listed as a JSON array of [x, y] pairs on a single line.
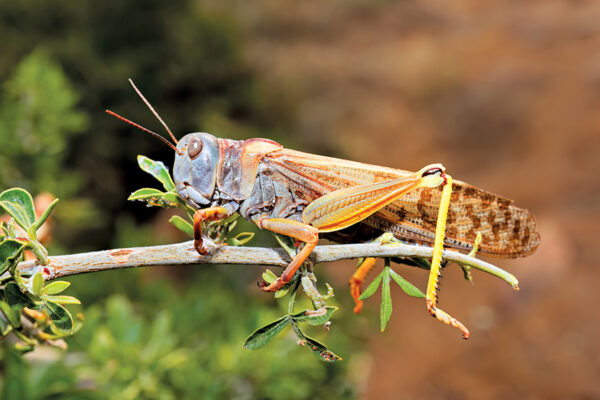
[[153, 110], [145, 130]]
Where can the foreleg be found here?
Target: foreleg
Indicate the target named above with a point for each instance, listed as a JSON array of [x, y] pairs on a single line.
[[206, 214]]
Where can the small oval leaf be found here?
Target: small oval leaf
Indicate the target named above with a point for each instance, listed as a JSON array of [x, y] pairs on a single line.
[[18, 203], [10, 251], [13, 315], [56, 287], [182, 225], [37, 284], [5, 326], [145, 194], [406, 286], [269, 276], [15, 297], [158, 170], [62, 299], [173, 200], [372, 288], [263, 335], [60, 318], [281, 292]]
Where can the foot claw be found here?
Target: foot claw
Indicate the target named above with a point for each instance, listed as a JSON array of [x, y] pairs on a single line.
[[273, 287]]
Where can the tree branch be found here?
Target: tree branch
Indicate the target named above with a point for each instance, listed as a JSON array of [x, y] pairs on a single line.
[[185, 254]]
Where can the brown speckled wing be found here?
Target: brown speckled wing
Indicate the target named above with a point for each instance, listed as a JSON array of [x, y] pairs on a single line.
[[507, 231]]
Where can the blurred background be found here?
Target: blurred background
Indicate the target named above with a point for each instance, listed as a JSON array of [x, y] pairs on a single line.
[[505, 94]]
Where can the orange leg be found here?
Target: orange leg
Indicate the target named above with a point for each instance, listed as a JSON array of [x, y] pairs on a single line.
[[357, 280], [297, 230], [206, 214]]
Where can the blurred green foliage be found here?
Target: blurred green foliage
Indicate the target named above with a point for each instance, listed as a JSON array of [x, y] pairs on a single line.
[[147, 334], [175, 343], [185, 57], [37, 119]]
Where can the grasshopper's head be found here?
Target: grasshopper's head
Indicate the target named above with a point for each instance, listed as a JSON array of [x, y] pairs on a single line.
[[195, 169], [196, 158]]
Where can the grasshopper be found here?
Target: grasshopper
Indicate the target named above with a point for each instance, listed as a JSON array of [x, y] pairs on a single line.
[[306, 196]]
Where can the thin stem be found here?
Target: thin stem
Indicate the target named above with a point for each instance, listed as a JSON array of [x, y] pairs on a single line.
[[185, 254]]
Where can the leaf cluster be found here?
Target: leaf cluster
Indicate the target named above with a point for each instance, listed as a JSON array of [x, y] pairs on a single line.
[[383, 280], [29, 307], [181, 342], [321, 316]]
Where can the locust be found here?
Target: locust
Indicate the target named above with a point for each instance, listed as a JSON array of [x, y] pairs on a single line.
[[307, 196]]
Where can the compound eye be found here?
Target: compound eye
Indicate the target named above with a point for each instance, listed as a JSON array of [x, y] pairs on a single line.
[[194, 147]]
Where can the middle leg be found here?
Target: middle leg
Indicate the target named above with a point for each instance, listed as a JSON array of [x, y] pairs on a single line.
[[299, 231]]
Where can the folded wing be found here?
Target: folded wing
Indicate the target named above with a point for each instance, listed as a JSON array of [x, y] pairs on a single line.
[[507, 231]]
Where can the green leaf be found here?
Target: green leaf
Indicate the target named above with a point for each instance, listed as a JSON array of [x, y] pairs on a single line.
[[158, 170], [320, 350], [5, 326], [60, 318], [22, 348], [13, 315], [318, 317], [269, 276], [15, 297], [155, 197], [56, 287], [372, 288], [38, 250], [62, 299], [18, 203], [37, 284], [385, 311], [282, 292], [317, 348], [263, 335], [421, 262], [146, 194], [182, 225], [10, 251], [406, 286], [242, 238], [45, 214], [173, 200]]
